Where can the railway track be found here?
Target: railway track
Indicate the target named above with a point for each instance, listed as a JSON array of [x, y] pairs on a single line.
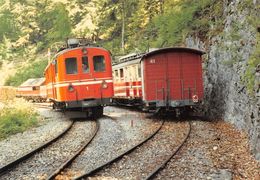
[[106, 146], [75, 155], [48, 160], [152, 172], [92, 172], [164, 163], [14, 163]]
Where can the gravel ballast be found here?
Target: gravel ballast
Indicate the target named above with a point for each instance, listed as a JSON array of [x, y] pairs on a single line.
[[215, 150], [141, 162], [44, 163], [119, 130], [51, 125]]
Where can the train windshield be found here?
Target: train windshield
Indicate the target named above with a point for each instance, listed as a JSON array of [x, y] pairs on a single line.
[[71, 65], [85, 66], [99, 63]]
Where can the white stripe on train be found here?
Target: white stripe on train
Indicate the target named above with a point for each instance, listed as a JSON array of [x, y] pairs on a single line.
[[49, 86]]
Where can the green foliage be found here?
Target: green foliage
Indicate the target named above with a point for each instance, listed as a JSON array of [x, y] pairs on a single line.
[[5, 50], [8, 26], [179, 20], [153, 23], [55, 25], [16, 119], [34, 70]]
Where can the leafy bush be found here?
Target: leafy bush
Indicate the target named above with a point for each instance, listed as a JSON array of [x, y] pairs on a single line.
[[16, 116]]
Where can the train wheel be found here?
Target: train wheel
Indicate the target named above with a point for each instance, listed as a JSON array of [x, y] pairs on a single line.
[[97, 112]]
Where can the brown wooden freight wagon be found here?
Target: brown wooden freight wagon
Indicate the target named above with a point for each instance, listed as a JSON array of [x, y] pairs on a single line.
[[172, 78]]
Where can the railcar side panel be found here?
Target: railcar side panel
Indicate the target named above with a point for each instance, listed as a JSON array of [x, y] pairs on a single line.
[[127, 80]]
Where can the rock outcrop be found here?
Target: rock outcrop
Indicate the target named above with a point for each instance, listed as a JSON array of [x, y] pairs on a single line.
[[226, 93]]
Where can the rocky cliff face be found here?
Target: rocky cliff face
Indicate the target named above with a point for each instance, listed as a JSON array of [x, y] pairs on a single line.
[[228, 54]]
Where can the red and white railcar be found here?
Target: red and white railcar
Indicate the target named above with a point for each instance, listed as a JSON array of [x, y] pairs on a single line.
[[33, 89], [169, 78], [128, 80], [80, 77]]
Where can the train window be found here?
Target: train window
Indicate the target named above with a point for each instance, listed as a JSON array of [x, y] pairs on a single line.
[[121, 73], [85, 66], [71, 65], [139, 70], [99, 63], [116, 75], [56, 66]]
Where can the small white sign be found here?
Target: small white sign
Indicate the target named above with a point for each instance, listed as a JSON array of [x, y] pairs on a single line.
[[152, 61]]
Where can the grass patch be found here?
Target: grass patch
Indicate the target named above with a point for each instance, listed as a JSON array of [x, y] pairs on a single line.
[[16, 116]]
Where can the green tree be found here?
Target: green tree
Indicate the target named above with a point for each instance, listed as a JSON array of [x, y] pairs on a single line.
[[55, 25], [8, 26]]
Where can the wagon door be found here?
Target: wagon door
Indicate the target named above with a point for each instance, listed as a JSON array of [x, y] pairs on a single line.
[[184, 77], [191, 80], [173, 71], [156, 80]]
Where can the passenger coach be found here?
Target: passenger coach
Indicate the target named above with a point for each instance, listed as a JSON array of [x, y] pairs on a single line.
[[80, 77], [168, 78]]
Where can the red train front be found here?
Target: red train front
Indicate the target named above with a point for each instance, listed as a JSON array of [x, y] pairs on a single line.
[[80, 77]]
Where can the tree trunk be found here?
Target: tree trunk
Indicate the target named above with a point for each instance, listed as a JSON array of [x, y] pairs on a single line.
[[123, 27]]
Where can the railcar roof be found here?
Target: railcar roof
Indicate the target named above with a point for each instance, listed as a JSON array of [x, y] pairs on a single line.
[[173, 49], [80, 47], [129, 58], [33, 82], [71, 49], [126, 63]]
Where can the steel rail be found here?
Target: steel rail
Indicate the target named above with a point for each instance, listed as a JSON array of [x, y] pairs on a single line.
[[12, 164], [119, 156], [75, 155], [164, 163]]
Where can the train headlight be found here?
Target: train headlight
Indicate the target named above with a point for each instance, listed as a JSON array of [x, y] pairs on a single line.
[[71, 88], [104, 85]]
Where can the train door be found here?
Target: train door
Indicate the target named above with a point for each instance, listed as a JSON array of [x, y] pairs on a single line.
[[86, 77], [54, 70], [102, 71]]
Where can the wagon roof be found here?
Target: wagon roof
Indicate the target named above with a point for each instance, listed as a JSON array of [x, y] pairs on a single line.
[[173, 49], [33, 82]]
